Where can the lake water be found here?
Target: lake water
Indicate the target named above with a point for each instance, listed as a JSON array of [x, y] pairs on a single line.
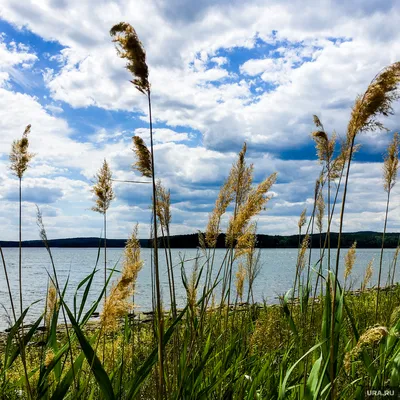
[[275, 278]]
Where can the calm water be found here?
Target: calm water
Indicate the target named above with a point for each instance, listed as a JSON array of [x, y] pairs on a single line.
[[275, 278]]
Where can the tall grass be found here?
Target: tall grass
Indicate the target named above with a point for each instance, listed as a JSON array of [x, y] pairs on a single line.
[[322, 341]]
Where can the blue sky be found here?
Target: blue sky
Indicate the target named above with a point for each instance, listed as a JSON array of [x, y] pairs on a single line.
[[222, 73]]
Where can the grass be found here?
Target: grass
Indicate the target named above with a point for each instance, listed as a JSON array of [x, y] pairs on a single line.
[[323, 341], [259, 335]]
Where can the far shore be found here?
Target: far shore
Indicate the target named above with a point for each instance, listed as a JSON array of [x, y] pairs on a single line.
[[366, 240]]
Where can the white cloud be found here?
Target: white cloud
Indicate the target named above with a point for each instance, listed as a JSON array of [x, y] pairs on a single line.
[[13, 55], [163, 135]]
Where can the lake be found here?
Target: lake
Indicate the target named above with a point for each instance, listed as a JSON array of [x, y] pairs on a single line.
[[275, 278]]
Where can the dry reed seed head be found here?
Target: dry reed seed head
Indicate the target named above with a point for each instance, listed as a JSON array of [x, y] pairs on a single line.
[[301, 258], [320, 211], [349, 260], [303, 219], [377, 100], [49, 357], [42, 229], [191, 291], [117, 304], [324, 146], [130, 47], [163, 209], [202, 241], [51, 304], [241, 178], [367, 275], [102, 189], [246, 242], [224, 198], [391, 164], [143, 156], [132, 262], [19, 155], [369, 338], [240, 278], [255, 203], [317, 122], [115, 307]]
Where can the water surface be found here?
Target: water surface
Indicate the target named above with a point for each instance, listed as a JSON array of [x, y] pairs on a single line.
[[275, 278]]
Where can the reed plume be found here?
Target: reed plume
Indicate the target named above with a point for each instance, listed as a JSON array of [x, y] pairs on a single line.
[[377, 100], [102, 189], [320, 211], [302, 220], [246, 248], [301, 259], [317, 122], [245, 243], [19, 155], [349, 260], [163, 205], [51, 304], [143, 156], [130, 48], [117, 304], [240, 278], [224, 198], [325, 146], [255, 202], [241, 178], [49, 357], [192, 287], [369, 338], [391, 164], [367, 275]]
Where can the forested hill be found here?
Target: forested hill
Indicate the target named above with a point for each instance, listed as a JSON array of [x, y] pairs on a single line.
[[364, 240]]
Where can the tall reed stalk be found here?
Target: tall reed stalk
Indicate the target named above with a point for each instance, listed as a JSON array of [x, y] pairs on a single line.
[[19, 159], [376, 101], [104, 194], [130, 47], [390, 167]]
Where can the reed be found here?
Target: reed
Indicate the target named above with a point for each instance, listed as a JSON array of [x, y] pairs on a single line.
[[129, 47], [377, 100], [390, 167], [104, 194], [20, 157]]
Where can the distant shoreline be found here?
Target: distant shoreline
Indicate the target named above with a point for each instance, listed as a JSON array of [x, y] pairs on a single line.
[[364, 240]]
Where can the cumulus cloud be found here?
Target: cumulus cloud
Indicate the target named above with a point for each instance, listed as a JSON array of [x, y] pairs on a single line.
[[221, 74]]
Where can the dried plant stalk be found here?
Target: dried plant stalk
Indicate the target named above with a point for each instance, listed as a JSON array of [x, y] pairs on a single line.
[[367, 275], [19, 155], [117, 304], [103, 189], [349, 260], [143, 156], [51, 304]]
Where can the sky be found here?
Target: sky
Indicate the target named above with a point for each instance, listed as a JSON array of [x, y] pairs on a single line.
[[222, 73]]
